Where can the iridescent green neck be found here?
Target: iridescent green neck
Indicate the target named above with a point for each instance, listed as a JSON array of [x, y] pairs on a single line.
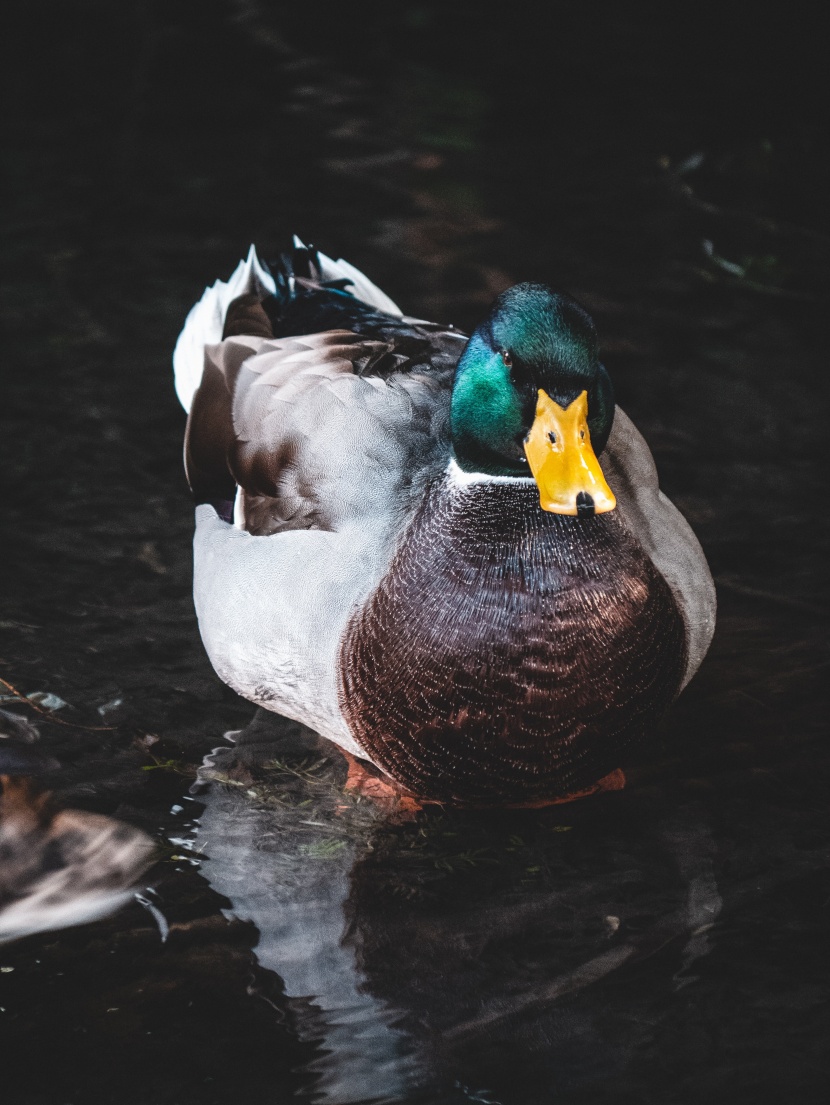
[[487, 417]]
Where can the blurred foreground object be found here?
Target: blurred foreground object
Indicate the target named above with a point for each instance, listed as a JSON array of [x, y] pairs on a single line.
[[57, 867]]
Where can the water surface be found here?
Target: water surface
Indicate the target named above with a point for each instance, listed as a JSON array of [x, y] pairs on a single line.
[[665, 943]]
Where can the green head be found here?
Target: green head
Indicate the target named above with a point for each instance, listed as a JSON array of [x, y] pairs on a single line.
[[534, 341]]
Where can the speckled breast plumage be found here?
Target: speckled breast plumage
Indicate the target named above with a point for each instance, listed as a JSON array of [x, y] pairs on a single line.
[[509, 654]]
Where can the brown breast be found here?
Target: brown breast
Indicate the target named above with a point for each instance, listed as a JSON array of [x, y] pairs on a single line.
[[509, 654]]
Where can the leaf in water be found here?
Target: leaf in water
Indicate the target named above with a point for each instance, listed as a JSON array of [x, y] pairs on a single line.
[[109, 710], [47, 700], [149, 555], [147, 741], [322, 849], [179, 767], [14, 725]]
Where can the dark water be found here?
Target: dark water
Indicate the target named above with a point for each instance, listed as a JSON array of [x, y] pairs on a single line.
[[663, 944]]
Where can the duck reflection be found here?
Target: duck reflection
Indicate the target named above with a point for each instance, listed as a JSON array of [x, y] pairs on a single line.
[[494, 956], [282, 848]]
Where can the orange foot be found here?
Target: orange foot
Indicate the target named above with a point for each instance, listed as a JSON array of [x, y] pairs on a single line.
[[615, 780], [363, 782]]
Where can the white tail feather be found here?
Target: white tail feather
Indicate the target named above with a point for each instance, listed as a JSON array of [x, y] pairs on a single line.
[[206, 320], [363, 287]]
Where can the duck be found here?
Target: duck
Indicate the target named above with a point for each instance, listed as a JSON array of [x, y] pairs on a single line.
[[59, 867], [447, 554]]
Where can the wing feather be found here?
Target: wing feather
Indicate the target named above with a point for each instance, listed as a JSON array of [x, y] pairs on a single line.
[[289, 430]]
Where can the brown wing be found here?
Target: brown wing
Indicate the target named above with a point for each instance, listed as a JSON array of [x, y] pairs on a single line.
[[233, 437]]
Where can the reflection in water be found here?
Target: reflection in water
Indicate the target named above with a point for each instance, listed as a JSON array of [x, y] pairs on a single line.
[[282, 852], [694, 850], [459, 955], [194, 132]]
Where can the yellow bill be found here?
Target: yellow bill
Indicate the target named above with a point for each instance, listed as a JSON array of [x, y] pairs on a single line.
[[565, 467]]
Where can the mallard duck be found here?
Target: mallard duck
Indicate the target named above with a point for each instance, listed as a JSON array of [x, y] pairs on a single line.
[[58, 867], [450, 556]]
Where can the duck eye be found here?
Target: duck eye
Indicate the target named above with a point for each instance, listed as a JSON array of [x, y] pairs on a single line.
[[552, 437], [582, 434], [505, 356]]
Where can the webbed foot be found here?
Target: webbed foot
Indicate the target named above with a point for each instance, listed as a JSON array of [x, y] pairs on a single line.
[[363, 782], [614, 780]]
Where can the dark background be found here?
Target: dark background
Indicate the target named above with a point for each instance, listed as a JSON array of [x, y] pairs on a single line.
[[666, 164]]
